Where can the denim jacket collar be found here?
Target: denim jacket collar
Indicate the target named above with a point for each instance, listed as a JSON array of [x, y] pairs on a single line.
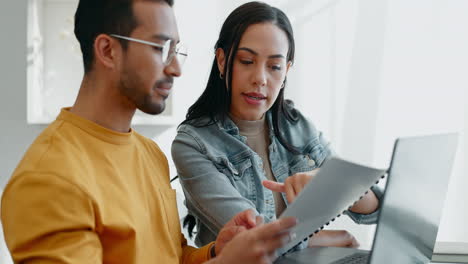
[[227, 125], [231, 128]]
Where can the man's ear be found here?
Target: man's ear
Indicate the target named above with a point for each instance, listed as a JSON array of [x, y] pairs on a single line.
[[220, 59], [107, 51]]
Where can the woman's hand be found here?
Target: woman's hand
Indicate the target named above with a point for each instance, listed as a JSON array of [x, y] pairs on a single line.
[[293, 185], [333, 238], [367, 204]]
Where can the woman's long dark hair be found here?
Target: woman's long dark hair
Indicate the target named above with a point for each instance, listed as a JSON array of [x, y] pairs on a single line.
[[215, 101]]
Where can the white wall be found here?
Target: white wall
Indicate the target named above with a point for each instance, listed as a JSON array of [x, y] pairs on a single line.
[[370, 71], [423, 53], [16, 135], [424, 89]]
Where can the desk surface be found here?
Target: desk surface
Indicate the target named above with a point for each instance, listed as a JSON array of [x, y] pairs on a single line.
[[460, 248]]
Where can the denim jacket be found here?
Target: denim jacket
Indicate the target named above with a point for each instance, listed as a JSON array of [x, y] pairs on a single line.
[[222, 176]]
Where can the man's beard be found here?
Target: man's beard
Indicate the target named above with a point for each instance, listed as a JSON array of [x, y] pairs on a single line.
[[143, 101], [149, 107]]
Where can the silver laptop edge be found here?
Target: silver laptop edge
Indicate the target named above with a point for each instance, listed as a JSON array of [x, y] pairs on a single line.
[[411, 207]]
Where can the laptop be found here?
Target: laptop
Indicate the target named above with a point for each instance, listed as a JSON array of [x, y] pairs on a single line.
[[411, 208]]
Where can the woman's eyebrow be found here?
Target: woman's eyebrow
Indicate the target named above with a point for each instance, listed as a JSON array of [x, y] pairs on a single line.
[[256, 53]]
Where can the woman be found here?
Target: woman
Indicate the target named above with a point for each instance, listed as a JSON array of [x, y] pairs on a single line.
[[241, 132]]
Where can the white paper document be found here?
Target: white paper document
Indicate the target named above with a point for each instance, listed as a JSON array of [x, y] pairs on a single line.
[[335, 188]]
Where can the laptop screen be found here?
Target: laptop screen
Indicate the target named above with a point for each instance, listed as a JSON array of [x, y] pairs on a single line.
[[414, 198]]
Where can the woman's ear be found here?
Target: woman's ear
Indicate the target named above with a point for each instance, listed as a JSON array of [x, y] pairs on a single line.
[[220, 59], [288, 66]]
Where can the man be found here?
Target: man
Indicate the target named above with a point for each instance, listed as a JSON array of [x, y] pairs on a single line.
[[92, 190]]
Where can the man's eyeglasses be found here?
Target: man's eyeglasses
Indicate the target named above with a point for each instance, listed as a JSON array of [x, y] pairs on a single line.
[[168, 50]]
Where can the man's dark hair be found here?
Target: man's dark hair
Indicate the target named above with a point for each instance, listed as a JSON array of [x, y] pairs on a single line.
[[95, 17]]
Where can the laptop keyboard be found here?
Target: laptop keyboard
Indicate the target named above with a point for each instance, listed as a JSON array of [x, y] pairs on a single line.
[[356, 258]]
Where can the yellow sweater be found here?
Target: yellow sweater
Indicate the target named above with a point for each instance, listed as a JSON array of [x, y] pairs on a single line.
[[86, 194]]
